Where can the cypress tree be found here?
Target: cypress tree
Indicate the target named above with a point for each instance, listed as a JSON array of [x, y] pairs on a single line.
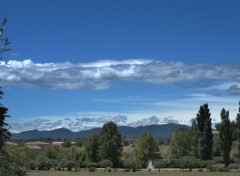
[[225, 136], [204, 125]]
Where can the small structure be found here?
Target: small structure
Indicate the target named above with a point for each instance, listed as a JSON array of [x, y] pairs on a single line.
[[215, 134]]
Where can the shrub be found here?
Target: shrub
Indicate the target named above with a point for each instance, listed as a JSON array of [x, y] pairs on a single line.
[[91, 169], [105, 163], [70, 165], [31, 165], [217, 168]]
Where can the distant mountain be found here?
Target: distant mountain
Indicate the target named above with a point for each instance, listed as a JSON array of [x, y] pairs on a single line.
[[158, 131]]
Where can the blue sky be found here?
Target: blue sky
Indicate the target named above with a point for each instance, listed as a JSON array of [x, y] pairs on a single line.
[[79, 64]]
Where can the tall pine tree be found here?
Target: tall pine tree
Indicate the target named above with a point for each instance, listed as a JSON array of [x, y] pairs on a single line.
[[4, 132], [225, 136], [204, 125]]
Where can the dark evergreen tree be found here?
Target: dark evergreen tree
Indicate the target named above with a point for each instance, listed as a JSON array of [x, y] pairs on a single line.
[[225, 136], [238, 129], [110, 143], [204, 126], [8, 165], [4, 132]]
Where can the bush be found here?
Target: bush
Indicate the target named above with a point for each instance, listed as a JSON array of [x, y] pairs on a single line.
[[32, 165], [217, 168], [160, 164], [70, 165], [105, 163], [234, 166], [44, 163], [11, 168], [91, 169]]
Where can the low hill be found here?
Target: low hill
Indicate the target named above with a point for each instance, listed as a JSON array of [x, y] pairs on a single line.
[[158, 131]]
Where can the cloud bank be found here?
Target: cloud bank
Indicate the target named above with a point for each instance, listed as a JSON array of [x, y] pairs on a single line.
[[101, 74], [78, 123]]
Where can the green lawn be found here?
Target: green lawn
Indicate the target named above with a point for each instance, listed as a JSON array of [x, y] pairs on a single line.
[[142, 173]]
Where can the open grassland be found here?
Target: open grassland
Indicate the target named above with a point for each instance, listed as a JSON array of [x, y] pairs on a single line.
[[142, 173]]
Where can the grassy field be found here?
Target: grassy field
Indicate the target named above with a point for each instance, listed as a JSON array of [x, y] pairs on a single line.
[[142, 173]]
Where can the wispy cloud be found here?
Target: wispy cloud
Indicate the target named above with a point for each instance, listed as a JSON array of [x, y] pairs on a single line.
[[234, 90], [101, 74]]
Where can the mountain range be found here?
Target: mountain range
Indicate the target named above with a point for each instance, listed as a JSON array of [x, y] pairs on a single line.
[[158, 131]]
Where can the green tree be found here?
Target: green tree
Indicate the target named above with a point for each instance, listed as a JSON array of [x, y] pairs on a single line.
[[204, 124], [110, 143], [146, 148], [67, 144], [238, 129], [226, 136], [76, 154], [217, 147], [195, 134], [8, 166], [92, 148], [129, 161], [180, 144], [4, 132], [52, 152]]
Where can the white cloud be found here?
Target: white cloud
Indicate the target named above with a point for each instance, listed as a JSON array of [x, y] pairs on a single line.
[[83, 121], [101, 74]]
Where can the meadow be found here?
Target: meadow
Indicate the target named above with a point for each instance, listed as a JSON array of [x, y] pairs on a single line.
[[142, 173]]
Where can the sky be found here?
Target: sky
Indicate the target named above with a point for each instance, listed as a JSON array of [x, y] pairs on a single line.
[[78, 64]]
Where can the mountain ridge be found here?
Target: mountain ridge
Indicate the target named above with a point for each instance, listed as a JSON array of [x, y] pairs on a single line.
[[158, 131]]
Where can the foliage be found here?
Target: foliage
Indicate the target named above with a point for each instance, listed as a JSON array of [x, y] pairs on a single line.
[[110, 143], [159, 163], [44, 163], [189, 162], [9, 164], [20, 154], [180, 144], [77, 155], [52, 152], [4, 132], [204, 126], [92, 147], [105, 163], [8, 167], [67, 144], [146, 148], [131, 162], [238, 129], [70, 165], [226, 136], [217, 147], [195, 135], [217, 168]]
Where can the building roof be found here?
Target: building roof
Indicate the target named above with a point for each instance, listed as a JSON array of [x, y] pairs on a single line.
[[216, 132]]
